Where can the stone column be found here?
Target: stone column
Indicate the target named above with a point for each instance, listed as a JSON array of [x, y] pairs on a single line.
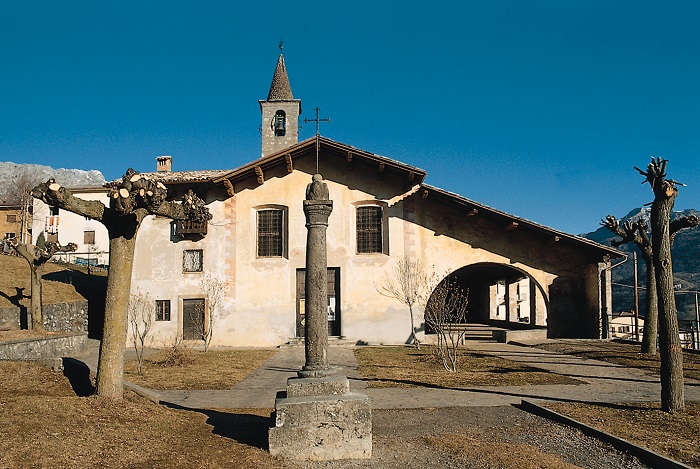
[[318, 418], [317, 208]]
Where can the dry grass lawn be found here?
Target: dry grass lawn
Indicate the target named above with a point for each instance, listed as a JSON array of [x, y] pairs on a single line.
[[15, 284], [622, 354], [674, 435], [406, 367], [43, 424], [215, 369]]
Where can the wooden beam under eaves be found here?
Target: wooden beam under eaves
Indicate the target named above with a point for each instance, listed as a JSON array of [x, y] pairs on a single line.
[[290, 165], [349, 161], [425, 194], [411, 176], [229, 188], [555, 239], [259, 173], [380, 170], [472, 212], [511, 226]]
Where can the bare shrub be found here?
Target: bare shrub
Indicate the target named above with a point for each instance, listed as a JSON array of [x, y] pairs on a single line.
[[446, 313], [141, 313], [214, 288], [407, 282], [177, 355]]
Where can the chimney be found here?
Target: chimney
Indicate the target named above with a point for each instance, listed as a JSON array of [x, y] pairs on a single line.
[[164, 164]]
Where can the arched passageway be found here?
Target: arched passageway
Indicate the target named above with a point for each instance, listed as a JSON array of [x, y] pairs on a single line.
[[502, 295]]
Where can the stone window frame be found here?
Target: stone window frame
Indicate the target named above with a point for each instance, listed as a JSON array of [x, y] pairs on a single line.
[[383, 229], [265, 250], [193, 265], [11, 218], [163, 310]]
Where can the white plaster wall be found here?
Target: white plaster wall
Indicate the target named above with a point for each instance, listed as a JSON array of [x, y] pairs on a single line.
[[71, 229]]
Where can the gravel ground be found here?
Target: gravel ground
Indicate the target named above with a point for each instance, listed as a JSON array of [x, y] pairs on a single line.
[[402, 439]]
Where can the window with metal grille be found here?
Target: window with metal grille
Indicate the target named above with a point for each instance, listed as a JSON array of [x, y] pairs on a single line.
[[369, 230], [271, 233], [162, 310], [88, 237], [192, 260]]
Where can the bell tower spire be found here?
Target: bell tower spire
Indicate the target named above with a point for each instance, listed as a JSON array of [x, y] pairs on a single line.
[[280, 112]]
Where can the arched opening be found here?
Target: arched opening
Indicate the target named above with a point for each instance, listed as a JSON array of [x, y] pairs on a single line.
[[501, 295]]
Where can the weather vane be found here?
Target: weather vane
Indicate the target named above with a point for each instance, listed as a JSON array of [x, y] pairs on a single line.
[[317, 121], [281, 46]]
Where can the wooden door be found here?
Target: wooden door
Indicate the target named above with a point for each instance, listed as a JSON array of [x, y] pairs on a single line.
[[333, 301], [193, 319]]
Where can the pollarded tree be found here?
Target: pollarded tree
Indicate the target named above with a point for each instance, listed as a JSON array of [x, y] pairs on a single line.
[[131, 200], [37, 257], [665, 192], [637, 232]]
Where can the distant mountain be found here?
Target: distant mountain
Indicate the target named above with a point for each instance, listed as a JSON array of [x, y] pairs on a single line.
[[686, 266], [9, 172]]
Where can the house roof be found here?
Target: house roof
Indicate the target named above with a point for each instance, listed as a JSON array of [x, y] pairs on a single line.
[[413, 176], [280, 89], [327, 146], [511, 222]]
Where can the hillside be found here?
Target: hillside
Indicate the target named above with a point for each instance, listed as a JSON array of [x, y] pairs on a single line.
[[60, 284], [686, 266]]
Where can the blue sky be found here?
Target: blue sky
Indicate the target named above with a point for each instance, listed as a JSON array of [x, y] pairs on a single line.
[[538, 108]]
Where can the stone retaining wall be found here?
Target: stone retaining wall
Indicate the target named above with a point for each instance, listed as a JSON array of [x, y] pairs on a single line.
[[9, 318], [45, 348], [66, 317]]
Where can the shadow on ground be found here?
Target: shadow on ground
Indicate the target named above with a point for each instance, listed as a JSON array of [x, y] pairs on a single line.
[[78, 375], [247, 429]]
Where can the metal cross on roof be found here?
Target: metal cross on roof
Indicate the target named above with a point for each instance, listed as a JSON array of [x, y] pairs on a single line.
[[317, 121]]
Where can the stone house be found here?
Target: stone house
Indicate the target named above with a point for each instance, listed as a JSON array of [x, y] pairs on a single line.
[[519, 274]]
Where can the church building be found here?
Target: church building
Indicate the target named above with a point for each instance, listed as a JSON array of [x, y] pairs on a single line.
[[242, 274]]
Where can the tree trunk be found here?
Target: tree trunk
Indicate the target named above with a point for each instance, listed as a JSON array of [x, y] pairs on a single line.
[[672, 392], [37, 321], [651, 316], [110, 371]]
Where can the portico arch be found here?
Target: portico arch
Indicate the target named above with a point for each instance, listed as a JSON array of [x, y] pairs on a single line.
[[502, 295]]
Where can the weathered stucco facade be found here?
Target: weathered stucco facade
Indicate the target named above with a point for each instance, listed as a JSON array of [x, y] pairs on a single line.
[[547, 278], [518, 274]]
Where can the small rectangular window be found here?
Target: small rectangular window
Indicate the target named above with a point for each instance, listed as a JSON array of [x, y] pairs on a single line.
[[192, 260], [162, 310], [52, 237], [88, 237], [54, 211], [369, 229], [11, 218], [270, 233]]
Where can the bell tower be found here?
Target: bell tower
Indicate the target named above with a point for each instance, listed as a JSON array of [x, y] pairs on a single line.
[[280, 113]]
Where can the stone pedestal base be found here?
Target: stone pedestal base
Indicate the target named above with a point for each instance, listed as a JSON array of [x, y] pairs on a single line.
[[320, 420]]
